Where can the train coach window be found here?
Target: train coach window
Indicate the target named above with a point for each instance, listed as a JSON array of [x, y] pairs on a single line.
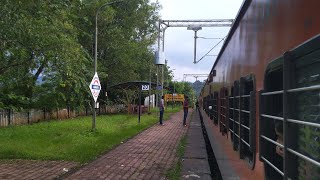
[[215, 107], [304, 117], [230, 115], [211, 105], [270, 114], [206, 104], [223, 123], [297, 110], [247, 119], [236, 116]]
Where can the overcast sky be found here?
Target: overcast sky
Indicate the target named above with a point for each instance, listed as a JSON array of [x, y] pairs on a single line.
[[179, 42]]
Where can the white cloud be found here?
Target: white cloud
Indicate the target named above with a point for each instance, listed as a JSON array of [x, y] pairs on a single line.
[[179, 42]]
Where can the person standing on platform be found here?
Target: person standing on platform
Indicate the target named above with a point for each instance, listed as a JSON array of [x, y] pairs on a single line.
[[185, 110], [161, 109]]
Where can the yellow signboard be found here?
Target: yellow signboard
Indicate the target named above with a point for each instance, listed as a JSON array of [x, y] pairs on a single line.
[[174, 97]]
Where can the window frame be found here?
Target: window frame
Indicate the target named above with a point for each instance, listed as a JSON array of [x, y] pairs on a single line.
[[236, 116], [230, 114], [251, 121], [215, 108], [290, 126], [223, 113]]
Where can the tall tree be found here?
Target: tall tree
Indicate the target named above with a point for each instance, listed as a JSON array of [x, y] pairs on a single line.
[[39, 48], [47, 49], [127, 30]]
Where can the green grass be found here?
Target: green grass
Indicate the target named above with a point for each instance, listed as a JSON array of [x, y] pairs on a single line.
[[175, 172], [71, 140]]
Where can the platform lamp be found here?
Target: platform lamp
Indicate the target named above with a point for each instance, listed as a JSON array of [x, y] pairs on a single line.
[[195, 29]]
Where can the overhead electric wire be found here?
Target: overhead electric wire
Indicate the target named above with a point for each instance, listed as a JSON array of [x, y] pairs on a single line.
[[208, 38], [211, 49]]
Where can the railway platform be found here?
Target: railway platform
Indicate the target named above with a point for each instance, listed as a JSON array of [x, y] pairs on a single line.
[[195, 159], [149, 155]]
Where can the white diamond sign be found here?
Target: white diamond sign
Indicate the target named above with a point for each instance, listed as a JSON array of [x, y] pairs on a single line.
[[95, 87]]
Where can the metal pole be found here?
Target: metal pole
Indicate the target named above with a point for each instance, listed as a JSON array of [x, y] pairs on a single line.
[[162, 79], [95, 56], [149, 88], [166, 62], [157, 92], [195, 48], [95, 69], [174, 91], [159, 39], [139, 103], [172, 100], [164, 31], [96, 43], [159, 31]]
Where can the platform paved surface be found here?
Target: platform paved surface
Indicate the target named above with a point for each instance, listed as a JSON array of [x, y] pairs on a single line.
[[146, 156], [195, 159], [31, 169]]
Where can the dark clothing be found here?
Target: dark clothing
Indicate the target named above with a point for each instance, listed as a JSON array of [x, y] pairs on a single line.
[[161, 116], [185, 114], [197, 105], [161, 109], [185, 111]]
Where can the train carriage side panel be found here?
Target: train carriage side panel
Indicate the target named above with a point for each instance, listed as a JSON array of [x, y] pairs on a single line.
[[262, 32]]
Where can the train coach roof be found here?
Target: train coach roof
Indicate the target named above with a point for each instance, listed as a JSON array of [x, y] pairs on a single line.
[[243, 9]]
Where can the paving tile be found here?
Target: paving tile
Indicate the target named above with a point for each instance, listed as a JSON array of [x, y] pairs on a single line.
[[32, 169]]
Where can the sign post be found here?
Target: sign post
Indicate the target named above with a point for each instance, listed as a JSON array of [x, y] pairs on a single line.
[[95, 88], [143, 88]]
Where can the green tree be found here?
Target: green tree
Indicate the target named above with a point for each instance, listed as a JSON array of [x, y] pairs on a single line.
[[39, 49], [47, 49], [127, 30]]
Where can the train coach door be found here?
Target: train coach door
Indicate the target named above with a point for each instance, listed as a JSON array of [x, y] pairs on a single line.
[[290, 114]]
